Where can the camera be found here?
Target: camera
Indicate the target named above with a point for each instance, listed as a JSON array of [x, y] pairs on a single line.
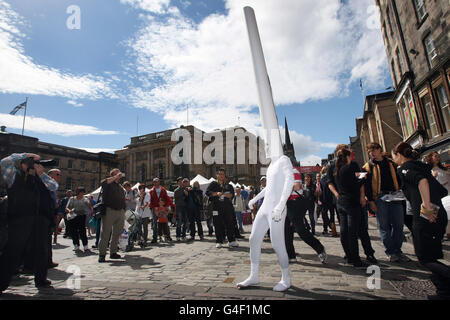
[[30, 162]]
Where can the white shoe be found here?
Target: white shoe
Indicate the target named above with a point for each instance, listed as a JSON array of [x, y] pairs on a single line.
[[233, 244], [85, 248], [218, 245], [323, 257], [293, 260]]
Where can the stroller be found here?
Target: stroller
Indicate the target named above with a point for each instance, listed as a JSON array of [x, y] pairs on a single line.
[[135, 231]]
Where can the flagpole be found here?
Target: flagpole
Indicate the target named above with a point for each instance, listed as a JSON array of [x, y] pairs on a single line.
[[24, 115]]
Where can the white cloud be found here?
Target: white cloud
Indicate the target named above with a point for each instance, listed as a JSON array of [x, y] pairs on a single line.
[[97, 150], [74, 103], [311, 161], [46, 126], [20, 74], [155, 6], [314, 50]]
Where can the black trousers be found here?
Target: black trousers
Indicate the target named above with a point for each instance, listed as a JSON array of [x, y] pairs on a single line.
[[310, 208], [363, 233], [440, 276], [77, 230], [194, 217], [298, 220], [21, 232], [289, 238], [224, 222], [350, 227]]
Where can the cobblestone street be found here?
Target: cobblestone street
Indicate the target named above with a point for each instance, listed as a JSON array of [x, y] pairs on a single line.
[[198, 271]]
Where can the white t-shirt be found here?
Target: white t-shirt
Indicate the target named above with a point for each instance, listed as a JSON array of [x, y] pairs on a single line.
[[158, 191], [146, 212]]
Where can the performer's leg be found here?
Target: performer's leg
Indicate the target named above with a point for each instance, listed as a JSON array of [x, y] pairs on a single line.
[[278, 244], [260, 227]]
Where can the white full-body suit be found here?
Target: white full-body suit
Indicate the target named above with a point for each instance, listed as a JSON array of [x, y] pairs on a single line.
[[280, 180]]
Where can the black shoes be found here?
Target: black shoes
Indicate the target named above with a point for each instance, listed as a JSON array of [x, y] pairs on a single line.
[[115, 256], [372, 260], [52, 265], [360, 265], [154, 240], [44, 284], [101, 259]]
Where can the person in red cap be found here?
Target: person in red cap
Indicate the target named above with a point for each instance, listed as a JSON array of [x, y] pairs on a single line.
[[296, 210]]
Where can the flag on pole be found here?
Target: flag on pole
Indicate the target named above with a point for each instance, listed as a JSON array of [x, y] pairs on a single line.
[[20, 106]]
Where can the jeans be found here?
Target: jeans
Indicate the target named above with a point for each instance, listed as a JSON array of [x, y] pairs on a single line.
[[154, 224], [390, 219], [350, 218], [181, 222], [144, 228], [239, 219]]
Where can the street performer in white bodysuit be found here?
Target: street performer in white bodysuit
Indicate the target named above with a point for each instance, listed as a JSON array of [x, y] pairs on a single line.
[[280, 180]]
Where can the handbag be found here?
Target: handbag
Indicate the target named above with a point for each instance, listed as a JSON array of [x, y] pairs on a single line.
[[93, 222], [99, 208]]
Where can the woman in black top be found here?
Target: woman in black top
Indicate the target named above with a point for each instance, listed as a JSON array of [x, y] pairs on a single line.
[[351, 198], [424, 193]]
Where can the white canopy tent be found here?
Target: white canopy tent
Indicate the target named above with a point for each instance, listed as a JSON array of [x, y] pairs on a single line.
[[204, 183]]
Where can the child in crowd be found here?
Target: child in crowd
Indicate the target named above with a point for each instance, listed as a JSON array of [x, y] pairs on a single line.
[[162, 212]]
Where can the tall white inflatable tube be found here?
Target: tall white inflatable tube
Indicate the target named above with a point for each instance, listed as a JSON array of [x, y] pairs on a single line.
[[280, 179]]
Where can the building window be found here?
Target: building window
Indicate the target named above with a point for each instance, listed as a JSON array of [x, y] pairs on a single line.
[[83, 165], [143, 173], [407, 117], [394, 73], [430, 49], [391, 25], [68, 183], [230, 170], [159, 153], [433, 129], [70, 164], [420, 9], [399, 63], [160, 170], [443, 105]]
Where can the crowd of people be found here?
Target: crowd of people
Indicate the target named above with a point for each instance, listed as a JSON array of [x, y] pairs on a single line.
[[396, 188]]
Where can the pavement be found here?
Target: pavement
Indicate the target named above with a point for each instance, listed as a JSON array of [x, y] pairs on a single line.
[[197, 270]]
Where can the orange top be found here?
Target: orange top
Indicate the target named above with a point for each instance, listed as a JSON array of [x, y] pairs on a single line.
[[162, 213]]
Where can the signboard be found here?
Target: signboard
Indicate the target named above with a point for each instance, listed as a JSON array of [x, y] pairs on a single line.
[[309, 170]]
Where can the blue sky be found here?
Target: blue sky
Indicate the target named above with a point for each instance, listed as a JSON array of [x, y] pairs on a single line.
[[149, 59]]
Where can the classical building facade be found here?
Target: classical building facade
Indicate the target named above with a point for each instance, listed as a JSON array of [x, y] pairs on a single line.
[[78, 167], [380, 123], [416, 35], [154, 155]]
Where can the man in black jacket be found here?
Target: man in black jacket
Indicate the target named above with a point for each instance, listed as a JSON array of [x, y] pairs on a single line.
[[220, 194], [27, 222]]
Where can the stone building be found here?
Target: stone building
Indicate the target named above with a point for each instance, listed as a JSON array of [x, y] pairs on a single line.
[[152, 155], [78, 167], [416, 36], [380, 123]]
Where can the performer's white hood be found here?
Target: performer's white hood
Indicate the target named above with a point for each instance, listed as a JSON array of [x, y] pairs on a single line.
[[269, 121]]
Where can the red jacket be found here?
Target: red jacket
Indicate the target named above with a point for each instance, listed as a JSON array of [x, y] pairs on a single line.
[[154, 200]]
